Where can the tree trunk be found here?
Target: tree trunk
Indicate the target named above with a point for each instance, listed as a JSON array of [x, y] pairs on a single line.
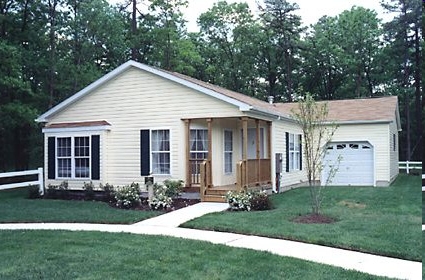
[[134, 31], [418, 93]]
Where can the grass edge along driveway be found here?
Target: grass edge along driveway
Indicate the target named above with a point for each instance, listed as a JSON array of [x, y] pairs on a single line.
[[96, 255], [383, 220]]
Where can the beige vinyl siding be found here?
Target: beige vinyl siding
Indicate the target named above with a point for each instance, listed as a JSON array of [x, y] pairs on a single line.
[[375, 134], [394, 156], [292, 178], [137, 100]]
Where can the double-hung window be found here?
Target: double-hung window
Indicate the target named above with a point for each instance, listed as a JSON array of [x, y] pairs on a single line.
[[228, 151], [160, 151], [73, 157], [294, 152]]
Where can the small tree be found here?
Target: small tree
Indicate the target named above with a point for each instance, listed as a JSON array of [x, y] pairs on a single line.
[[318, 131]]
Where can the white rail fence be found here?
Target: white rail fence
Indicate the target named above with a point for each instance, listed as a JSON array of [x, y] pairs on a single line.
[[410, 165], [39, 182]]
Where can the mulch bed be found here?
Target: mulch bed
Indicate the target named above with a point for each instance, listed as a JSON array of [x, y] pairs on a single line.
[[178, 203], [314, 219]]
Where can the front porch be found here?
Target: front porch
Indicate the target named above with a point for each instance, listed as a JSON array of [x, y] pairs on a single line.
[[218, 161]]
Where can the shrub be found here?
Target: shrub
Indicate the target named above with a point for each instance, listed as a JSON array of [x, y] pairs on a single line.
[[128, 196], [34, 192], [88, 191], [52, 191], [174, 187], [247, 201], [160, 199], [239, 201], [260, 201], [109, 192], [57, 191], [63, 190]]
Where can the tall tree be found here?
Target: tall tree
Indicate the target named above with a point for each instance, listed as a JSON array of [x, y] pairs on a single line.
[[169, 30], [404, 36], [223, 29], [284, 31]]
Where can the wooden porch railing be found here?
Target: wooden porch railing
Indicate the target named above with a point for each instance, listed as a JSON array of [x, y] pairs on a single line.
[[252, 172], [205, 180]]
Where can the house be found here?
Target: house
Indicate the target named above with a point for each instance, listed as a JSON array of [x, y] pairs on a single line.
[[366, 139], [140, 121]]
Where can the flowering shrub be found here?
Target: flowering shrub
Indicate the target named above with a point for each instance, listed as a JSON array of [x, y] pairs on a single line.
[[128, 196], [239, 201], [247, 201], [160, 199]]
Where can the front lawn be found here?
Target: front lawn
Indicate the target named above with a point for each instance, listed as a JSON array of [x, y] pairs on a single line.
[[15, 207], [96, 255], [385, 221]]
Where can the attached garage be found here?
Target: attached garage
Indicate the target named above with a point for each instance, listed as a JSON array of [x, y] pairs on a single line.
[[353, 163]]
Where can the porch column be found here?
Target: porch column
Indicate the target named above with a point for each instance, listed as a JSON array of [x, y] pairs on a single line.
[[244, 151], [209, 122], [269, 140], [245, 138], [258, 131], [187, 141]]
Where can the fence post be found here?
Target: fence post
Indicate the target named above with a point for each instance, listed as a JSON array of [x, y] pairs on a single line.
[[41, 180], [407, 167]]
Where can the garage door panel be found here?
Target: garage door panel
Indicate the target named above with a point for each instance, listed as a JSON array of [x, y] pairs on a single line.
[[355, 166]]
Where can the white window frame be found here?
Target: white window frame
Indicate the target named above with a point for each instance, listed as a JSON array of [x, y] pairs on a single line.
[[72, 157], [198, 151], [152, 152], [228, 152], [294, 152]]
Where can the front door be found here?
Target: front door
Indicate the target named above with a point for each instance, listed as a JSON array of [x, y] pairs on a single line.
[[252, 143], [198, 153]]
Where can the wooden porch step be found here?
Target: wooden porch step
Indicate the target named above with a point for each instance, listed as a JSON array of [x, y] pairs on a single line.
[[214, 198]]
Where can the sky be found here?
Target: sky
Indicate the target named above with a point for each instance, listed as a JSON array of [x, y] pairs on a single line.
[[310, 10]]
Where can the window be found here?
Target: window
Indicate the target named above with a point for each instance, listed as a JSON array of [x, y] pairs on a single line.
[[82, 157], [198, 149], [228, 151], [64, 157], [394, 143], [294, 152], [160, 151], [73, 157], [198, 143]]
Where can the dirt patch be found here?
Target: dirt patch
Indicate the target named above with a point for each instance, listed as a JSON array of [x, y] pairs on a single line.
[[352, 205], [314, 219]]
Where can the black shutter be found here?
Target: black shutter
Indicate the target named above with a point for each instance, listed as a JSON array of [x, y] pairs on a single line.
[[51, 169], [301, 151], [95, 157], [287, 150], [144, 152]]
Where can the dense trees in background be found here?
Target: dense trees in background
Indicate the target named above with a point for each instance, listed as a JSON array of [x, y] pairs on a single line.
[[50, 49]]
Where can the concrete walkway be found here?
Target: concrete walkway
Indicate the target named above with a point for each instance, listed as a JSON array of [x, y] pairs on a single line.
[[167, 225]]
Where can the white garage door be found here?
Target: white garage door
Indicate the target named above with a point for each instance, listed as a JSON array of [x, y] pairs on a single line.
[[355, 166]]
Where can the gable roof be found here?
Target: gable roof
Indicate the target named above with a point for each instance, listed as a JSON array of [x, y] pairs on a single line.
[[366, 110], [243, 102], [341, 111]]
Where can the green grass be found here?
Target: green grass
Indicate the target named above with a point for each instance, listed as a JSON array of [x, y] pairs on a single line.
[[95, 255], [423, 256], [15, 207], [383, 221]]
